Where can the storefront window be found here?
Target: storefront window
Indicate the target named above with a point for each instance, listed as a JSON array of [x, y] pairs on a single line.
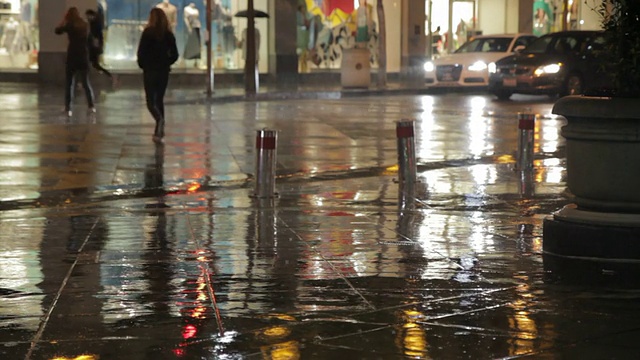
[[326, 27], [555, 15], [543, 17], [18, 34], [125, 20], [463, 21]]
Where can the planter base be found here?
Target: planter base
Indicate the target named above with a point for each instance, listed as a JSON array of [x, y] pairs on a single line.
[[590, 235], [591, 274]]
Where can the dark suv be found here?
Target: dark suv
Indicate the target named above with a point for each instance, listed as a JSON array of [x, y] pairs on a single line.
[[562, 63]]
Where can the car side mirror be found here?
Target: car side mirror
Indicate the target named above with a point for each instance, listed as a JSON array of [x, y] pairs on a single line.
[[518, 48]]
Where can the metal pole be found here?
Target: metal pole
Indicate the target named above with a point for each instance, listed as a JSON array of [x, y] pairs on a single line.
[[208, 43], [429, 32], [250, 60], [526, 182], [526, 128], [406, 152], [266, 141]]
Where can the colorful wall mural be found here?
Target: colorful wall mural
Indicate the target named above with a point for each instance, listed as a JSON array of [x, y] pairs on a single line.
[[326, 27]]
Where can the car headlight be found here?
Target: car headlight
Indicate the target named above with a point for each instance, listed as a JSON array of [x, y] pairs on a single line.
[[492, 68], [429, 66], [478, 66], [547, 69]]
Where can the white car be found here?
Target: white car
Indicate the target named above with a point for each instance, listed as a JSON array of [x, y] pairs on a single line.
[[468, 66]]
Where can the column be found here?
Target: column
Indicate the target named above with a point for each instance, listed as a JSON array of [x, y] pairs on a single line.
[[283, 60], [413, 38]]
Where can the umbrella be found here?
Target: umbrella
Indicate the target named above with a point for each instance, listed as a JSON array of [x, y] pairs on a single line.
[[256, 13]]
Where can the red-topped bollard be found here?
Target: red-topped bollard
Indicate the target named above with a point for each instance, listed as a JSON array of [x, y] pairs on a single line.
[[265, 185], [526, 128], [407, 168]]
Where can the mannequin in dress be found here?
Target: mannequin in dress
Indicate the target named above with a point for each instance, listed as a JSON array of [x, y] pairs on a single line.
[[192, 23], [364, 22], [243, 44], [10, 35], [26, 16], [171, 11]]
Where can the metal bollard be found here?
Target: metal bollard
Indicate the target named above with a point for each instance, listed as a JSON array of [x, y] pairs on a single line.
[[406, 152], [265, 185], [527, 184], [526, 126]]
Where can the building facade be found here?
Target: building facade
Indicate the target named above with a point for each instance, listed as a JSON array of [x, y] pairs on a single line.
[[298, 36]]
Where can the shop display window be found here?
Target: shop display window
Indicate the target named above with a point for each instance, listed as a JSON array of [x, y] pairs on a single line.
[[125, 20], [18, 34], [326, 27]]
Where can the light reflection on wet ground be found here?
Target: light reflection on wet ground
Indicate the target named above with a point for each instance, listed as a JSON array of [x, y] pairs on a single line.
[[338, 267]]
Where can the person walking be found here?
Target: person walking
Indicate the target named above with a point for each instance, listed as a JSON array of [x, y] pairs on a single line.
[[157, 51], [96, 44], [77, 61]]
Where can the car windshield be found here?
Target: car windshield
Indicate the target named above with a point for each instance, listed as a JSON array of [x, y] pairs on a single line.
[[538, 46], [498, 44]]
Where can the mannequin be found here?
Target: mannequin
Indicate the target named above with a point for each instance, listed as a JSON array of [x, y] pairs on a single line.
[[25, 11], [364, 22], [10, 35], [26, 15], [192, 23], [243, 44], [171, 11]]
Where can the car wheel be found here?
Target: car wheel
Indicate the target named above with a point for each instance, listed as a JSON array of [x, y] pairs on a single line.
[[503, 95], [573, 85]]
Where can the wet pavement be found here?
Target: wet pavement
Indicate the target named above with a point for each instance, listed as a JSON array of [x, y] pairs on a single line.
[[115, 248]]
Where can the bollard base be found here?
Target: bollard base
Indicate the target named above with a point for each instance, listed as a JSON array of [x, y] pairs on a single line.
[[257, 196]]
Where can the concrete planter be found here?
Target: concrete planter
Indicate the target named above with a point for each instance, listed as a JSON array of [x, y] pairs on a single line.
[[355, 71], [603, 151], [603, 173]]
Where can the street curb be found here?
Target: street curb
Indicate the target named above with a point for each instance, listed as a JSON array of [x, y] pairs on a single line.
[[301, 95]]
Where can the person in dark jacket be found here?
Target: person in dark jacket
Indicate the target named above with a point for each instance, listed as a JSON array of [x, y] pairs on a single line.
[[96, 43], [77, 62], [157, 51]]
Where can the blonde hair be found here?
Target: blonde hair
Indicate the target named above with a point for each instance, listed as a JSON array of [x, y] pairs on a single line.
[[158, 23]]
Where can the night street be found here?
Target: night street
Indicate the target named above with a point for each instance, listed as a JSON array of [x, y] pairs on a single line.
[[113, 247]]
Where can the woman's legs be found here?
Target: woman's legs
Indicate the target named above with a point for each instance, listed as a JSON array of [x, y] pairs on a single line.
[[68, 90], [163, 82], [153, 93], [88, 91]]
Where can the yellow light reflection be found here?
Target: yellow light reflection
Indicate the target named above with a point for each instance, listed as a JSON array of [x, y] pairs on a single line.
[[412, 339], [505, 159], [198, 312], [536, 245], [521, 322], [80, 357], [277, 332], [193, 187], [415, 342], [289, 350], [391, 170]]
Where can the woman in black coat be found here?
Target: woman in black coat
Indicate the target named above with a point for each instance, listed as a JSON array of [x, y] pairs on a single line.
[[157, 51], [77, 62]]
